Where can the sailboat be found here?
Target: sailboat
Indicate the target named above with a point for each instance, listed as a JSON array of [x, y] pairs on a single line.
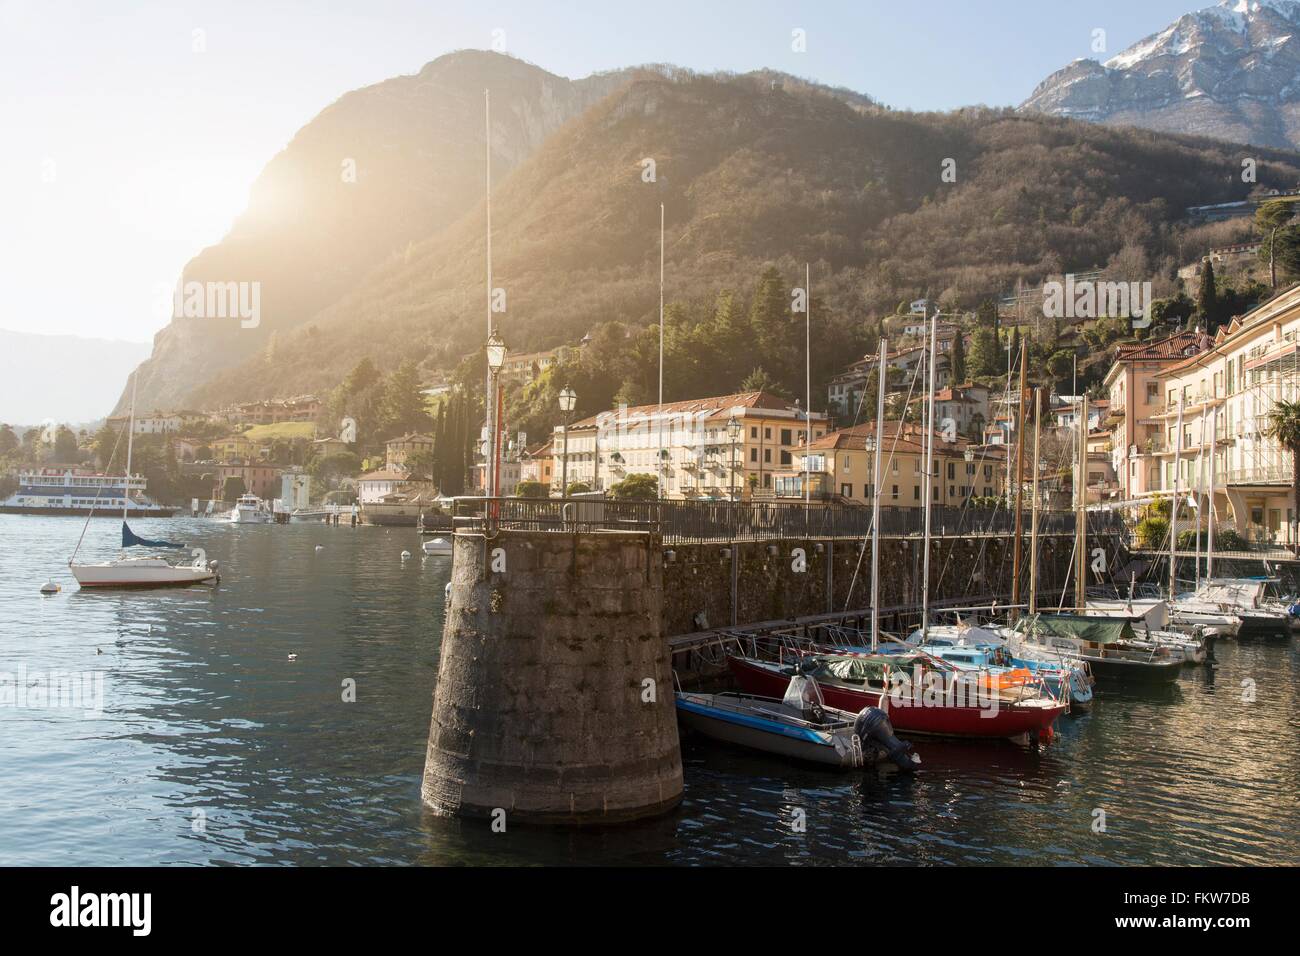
[[126, 571], [956, 702]]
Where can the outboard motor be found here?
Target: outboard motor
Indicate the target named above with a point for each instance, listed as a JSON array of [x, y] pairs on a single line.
[[873, 724]]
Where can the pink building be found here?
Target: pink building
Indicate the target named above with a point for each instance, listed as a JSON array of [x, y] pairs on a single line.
[[1136, 396]]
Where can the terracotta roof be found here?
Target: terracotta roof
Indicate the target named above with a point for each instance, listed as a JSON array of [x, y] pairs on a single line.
[[384, 474], [1162, 350], [718, 406], [411, 437]]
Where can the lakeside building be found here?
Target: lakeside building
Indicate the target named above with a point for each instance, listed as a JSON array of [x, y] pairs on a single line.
[[295, 490], [236, 446], [842, 465], [1136, 395], [689, 445], [398, 450], [259, 477], [1253, 363], [154, 423], [302, 408], [373, 487], [967, 406], [538, 463], [527, 367], [845, 391]]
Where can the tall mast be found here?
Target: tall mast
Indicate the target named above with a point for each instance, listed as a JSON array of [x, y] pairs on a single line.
[[1173, 508], [1209, 541], [929, 480], [130, 436], [807, 311], [659, 412], [1020, 478], [1200, 472], [875, 502], [1081, 512], [1033, 521], [490, 399]]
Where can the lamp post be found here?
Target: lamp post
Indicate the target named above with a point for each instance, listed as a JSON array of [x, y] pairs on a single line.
[[496, 358], [733, 432], [568, 399]]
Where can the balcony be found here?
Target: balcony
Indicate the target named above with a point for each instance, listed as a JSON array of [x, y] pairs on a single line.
[[1262, 474]]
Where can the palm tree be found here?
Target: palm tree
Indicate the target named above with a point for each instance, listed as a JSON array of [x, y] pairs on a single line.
[[1282, 423]]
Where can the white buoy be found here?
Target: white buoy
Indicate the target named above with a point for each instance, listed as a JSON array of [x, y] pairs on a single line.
[[320, 547], [49, 587], [405, 555]]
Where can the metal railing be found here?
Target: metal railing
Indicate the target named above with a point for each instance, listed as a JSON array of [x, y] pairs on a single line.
[[687, 521]]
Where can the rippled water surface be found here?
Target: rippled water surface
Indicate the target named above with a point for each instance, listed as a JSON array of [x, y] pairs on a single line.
[[214, 747]]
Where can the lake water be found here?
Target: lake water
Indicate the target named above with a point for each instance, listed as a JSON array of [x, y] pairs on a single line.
[[213, 747]]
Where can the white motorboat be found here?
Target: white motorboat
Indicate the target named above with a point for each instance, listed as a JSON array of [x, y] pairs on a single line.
[[438, 546], [249, 509]]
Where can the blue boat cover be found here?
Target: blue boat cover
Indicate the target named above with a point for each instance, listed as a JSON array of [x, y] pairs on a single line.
[[130, 538]]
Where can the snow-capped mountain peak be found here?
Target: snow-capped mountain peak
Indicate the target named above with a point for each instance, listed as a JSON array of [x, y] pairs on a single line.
[[1231, 71]]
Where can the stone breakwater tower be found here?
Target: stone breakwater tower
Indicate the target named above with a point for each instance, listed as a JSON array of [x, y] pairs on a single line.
[[555, 700]]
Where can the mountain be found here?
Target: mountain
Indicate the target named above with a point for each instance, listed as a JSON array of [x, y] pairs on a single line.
[[61, 378], [752, 170], [381, 167], [1230, 71]]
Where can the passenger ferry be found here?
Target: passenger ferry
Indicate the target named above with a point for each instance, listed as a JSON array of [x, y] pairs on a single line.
[[74, 491]]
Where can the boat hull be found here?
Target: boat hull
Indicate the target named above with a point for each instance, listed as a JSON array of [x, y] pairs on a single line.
[[1007, 721], [694, 711], [112, 575], [1115, 670], [61, 512]]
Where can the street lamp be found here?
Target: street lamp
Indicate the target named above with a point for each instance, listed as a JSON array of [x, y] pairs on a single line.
[[733, 432], [568, 399], [496, 358]]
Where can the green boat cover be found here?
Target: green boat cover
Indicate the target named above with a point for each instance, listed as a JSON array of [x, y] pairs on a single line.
[[1097, 630], [859, 669]]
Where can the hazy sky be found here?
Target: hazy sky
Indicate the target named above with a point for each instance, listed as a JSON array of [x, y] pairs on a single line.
[[126, 148]]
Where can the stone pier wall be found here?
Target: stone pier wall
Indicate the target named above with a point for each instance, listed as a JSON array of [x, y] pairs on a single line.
[[698, 578]]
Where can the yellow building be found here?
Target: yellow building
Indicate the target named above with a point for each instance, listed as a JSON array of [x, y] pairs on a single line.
[[398, 450], [1253, 363], [235, 447], [690, 445], [842, 465]]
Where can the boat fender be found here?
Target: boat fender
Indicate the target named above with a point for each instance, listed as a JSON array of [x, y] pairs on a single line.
[[872, 723]]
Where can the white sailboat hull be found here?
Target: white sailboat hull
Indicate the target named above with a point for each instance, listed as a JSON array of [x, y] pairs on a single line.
[[140, 572]]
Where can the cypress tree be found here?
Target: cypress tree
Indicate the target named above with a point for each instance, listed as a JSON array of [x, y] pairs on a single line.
[[1207, 298]]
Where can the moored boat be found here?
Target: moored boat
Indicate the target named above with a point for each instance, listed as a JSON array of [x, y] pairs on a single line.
[[963, 707], [798, 725], [1109, 646]]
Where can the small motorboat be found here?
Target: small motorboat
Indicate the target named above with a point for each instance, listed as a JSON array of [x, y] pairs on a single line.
[[439, 546], [799, 726]]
